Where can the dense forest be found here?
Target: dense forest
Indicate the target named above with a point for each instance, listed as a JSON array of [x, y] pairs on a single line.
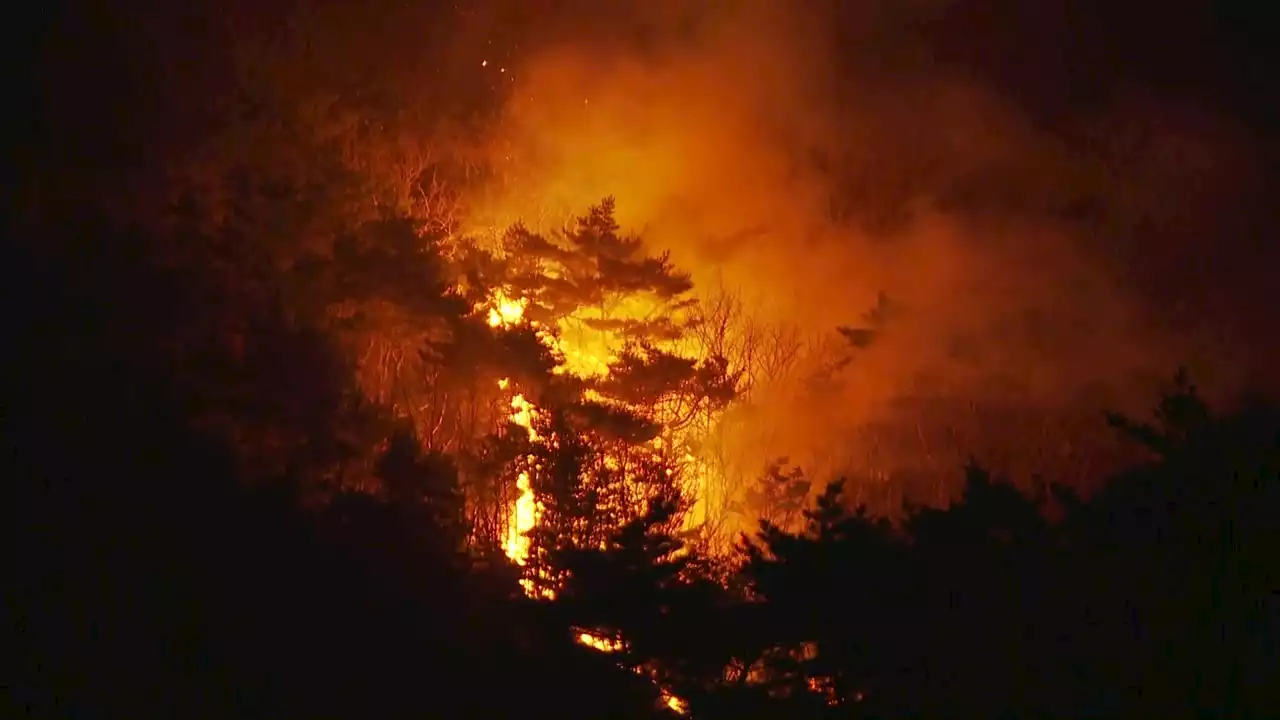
[[288, 435]]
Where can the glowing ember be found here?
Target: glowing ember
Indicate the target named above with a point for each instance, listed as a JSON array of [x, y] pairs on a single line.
[[826, 687], [599, 642], [677, 705], [605, 644]]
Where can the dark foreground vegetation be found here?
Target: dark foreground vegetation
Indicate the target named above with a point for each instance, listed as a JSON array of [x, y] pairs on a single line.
[[155, 576]]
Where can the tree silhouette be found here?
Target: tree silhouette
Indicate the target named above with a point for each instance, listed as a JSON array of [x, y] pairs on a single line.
[[176, 559]]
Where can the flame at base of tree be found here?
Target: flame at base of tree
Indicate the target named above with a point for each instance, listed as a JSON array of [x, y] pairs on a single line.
[[640, 394], [524, 517], [587, 346], [610, 644], [613, 318], [526, 511]]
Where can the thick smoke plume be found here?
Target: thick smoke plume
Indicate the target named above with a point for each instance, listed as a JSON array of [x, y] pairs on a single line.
[[810, 156], [1054, 217]]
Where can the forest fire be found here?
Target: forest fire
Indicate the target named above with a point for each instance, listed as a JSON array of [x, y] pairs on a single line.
[[599, 642], [524, 517], [588, 342], [526, 511], [505, 311], [344, 388], [605, 644]]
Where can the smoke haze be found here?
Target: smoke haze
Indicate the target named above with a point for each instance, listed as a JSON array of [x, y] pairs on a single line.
[[811, 155], [1061, 199]]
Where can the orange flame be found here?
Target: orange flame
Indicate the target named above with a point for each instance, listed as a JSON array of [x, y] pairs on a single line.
[[525, 513], [505, 311], [599, 642]]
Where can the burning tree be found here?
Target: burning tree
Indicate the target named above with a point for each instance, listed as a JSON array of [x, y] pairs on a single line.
[[383, 293], [587, 498], [613, 315]]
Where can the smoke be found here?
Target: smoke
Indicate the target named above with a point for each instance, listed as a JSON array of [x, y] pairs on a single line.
[[812, 155]]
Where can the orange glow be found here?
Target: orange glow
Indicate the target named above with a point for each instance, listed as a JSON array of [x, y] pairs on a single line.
[[522, 414], [524, 516], [589, 354], [586, 350], [677, 705], [825, 687], [599, 642], [526, 511], [505, 311], [817, 183], [606, 644]]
